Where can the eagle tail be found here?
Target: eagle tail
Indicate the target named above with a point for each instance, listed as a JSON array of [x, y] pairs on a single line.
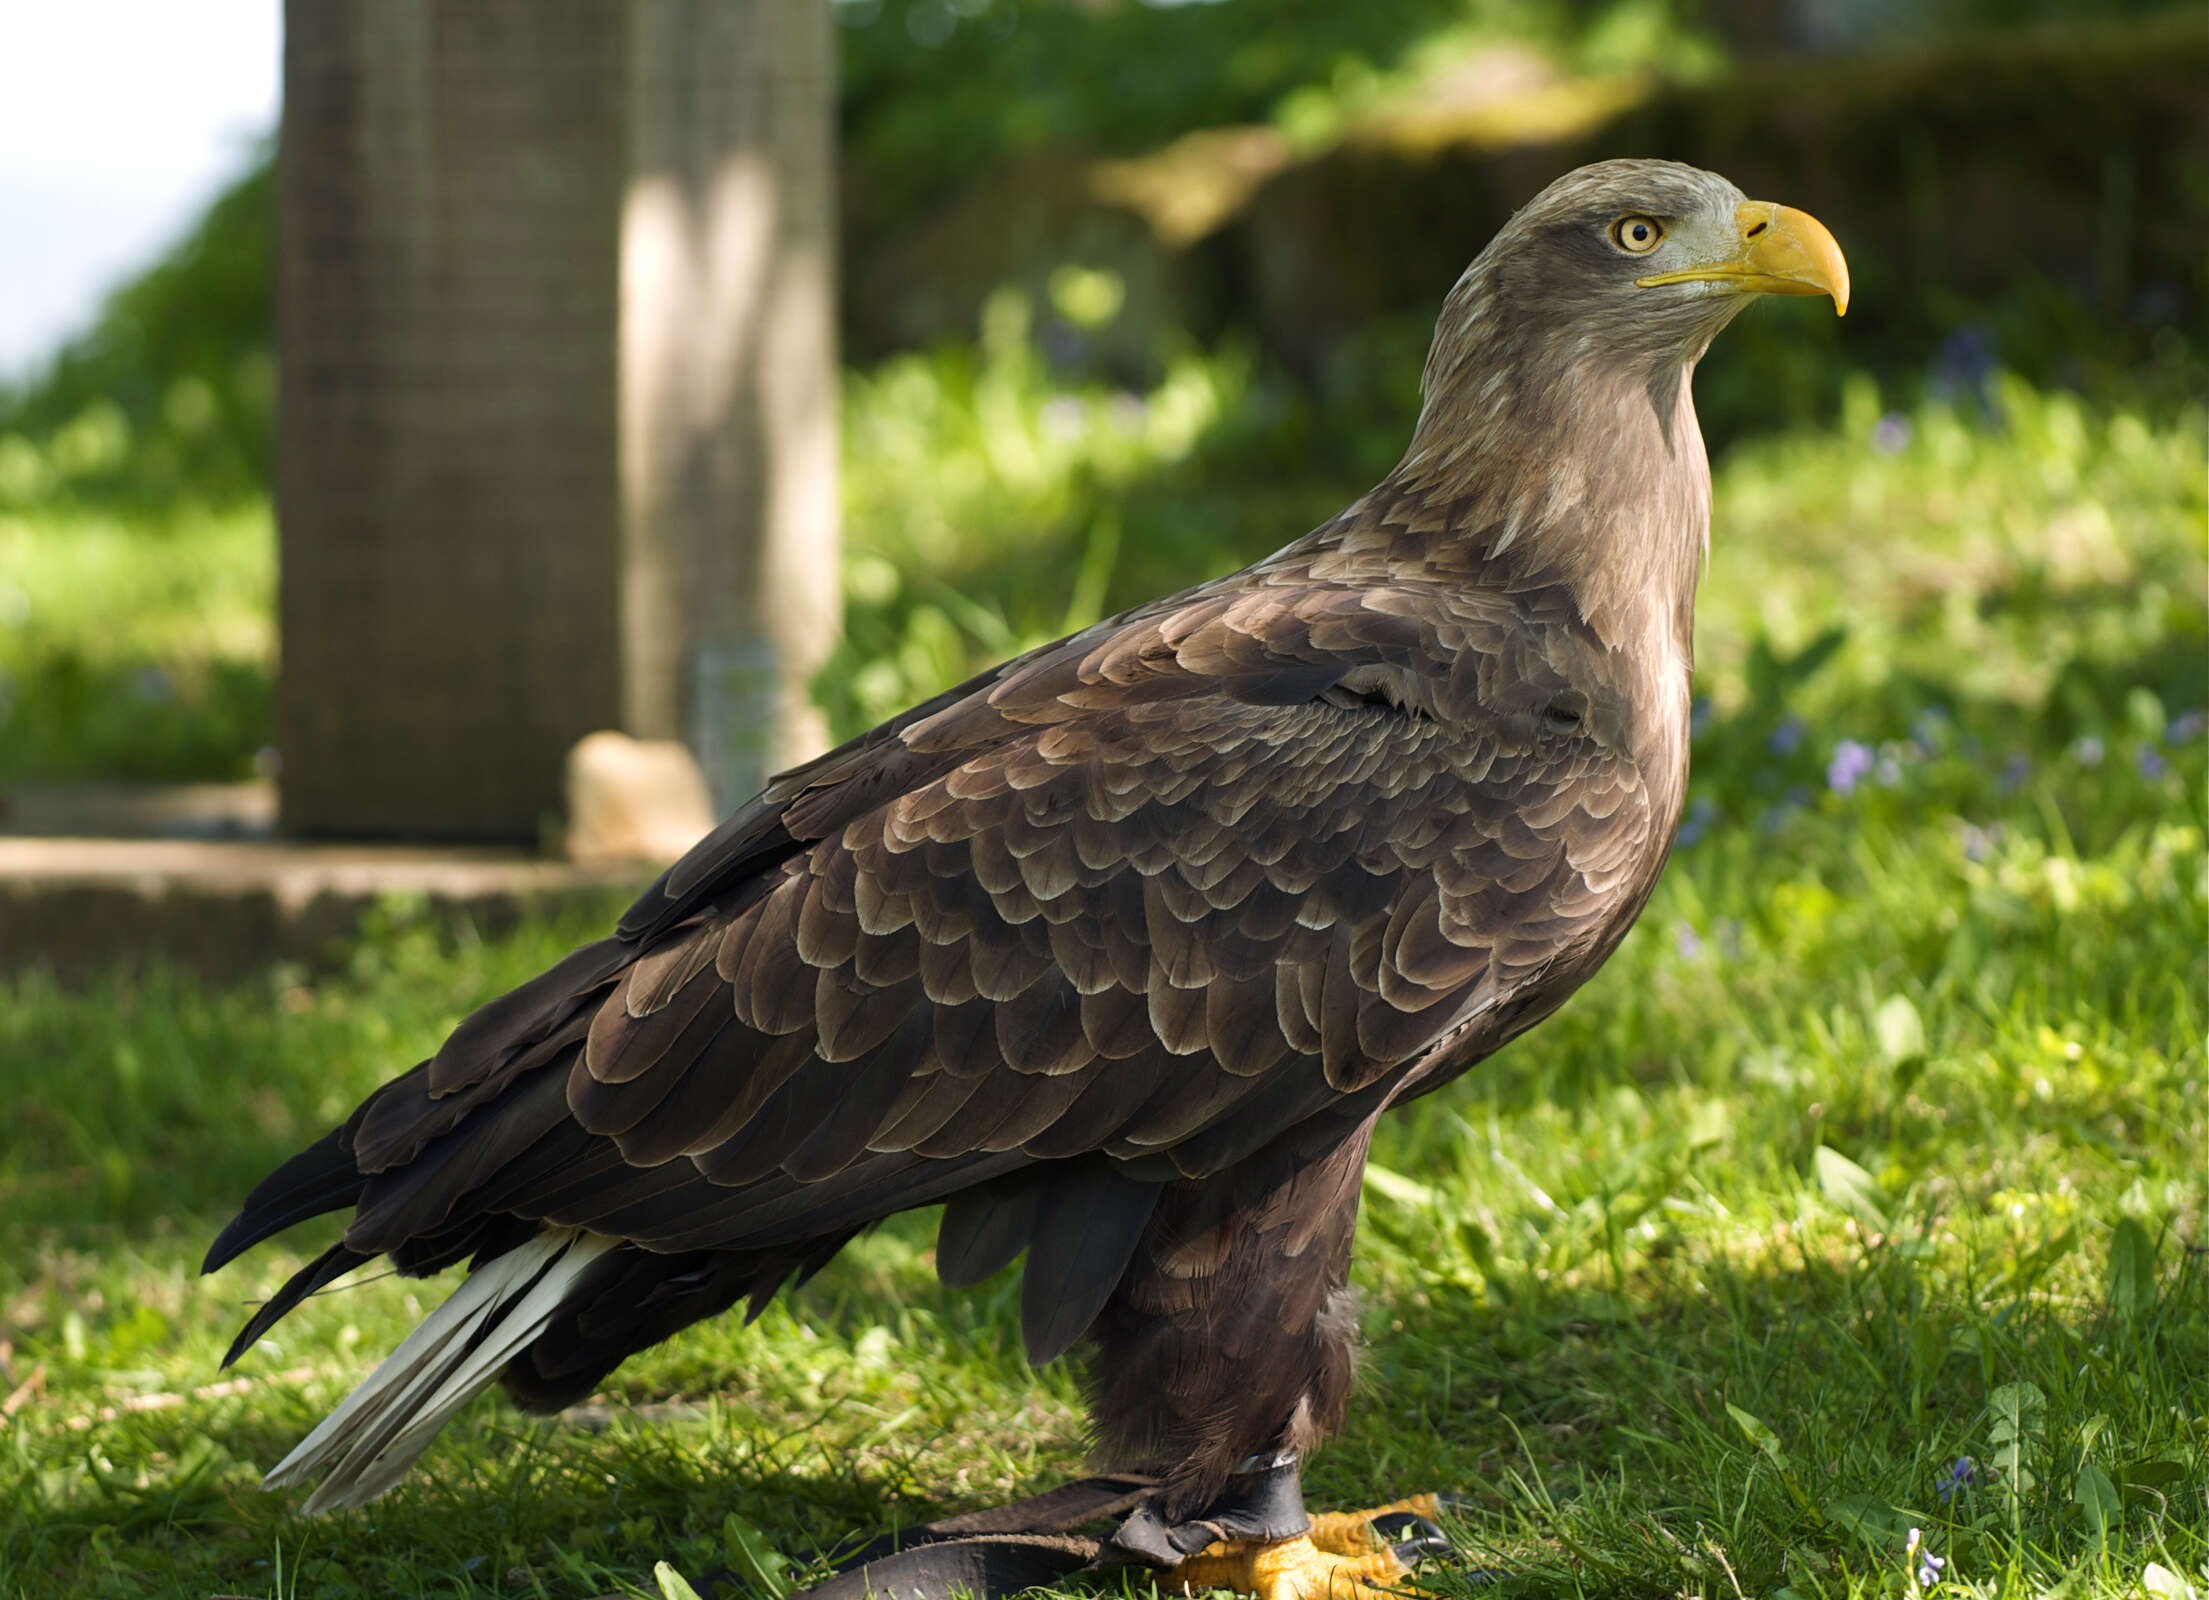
[[366, 1445]]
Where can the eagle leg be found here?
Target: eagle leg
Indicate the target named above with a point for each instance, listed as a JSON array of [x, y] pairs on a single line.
[[1258, 1539], [1338, 1554], [1255, 1537], [1225, 1353]]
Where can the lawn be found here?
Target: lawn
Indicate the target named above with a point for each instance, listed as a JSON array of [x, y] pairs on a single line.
[[1862, 1193]]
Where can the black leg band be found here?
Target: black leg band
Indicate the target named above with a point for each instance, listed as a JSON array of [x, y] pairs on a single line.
[[1266, 1505]]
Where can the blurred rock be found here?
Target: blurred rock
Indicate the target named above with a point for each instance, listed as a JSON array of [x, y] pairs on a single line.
[[633, 800]]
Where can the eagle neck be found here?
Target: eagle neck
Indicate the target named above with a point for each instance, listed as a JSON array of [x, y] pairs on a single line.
[[1578, 471]]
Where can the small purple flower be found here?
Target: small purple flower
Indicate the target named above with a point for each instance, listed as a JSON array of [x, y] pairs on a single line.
[[1925, 1559], [1850, 764], [1787, 737], [2186, 725], [1967, 359], [1062, 344], [1687, 940], [1891, 434], [1700, 715], [1700, 815], [2089, 751], [2015, 771], [1928, 1564], [1959, 1477], [2152, 764]]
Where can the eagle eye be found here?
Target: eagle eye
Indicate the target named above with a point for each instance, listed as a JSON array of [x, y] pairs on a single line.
[[1637, 236]]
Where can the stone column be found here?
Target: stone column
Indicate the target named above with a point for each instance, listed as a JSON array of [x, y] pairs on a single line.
[[728, 370], [556, 445]]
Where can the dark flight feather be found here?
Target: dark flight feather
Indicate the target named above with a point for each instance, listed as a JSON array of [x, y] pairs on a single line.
[[323, 1270], [1086, 1229], [320, 1179], [984, 1229]]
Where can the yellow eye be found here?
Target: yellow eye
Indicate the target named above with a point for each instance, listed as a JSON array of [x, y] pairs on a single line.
[[1637, 236]]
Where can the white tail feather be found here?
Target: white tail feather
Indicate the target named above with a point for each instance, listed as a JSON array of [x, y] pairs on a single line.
[[377, 1431]]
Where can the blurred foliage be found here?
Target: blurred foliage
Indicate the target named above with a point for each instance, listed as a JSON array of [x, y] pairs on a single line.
[[1775, 370], [168, 394], [935, 92], [133, 647], [1876, 21], [1950, 587]]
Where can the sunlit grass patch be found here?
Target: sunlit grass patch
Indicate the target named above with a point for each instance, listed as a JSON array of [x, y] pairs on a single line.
[[2019, 553]]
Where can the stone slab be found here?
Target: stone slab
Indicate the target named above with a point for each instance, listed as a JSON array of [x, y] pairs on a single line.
[[113, 810], [221, 908]]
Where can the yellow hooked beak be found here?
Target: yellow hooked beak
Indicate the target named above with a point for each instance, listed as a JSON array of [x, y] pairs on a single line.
[[1782, 251]]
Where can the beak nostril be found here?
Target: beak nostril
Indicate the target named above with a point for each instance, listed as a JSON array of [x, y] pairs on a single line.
[[1753, 232]]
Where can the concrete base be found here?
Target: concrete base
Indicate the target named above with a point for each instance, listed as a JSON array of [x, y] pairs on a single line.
[[222, 907], [107, 810]]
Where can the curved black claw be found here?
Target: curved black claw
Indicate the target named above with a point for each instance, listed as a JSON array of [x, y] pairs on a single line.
[[1412, 1537], [1418, 1539]]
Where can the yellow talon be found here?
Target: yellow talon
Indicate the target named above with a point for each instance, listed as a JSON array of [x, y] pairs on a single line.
[[1291, 1569], [1350, 1533]]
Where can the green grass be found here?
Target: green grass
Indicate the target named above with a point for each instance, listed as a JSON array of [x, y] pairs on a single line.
[[1880, 1143]]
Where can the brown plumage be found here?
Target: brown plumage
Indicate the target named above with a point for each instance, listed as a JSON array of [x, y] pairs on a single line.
[[1120, 949]]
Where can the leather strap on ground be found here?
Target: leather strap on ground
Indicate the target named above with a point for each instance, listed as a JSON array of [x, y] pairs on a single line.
[[1000, 1550], [1031, 1543], [1055, 1511], [983, 1566]]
